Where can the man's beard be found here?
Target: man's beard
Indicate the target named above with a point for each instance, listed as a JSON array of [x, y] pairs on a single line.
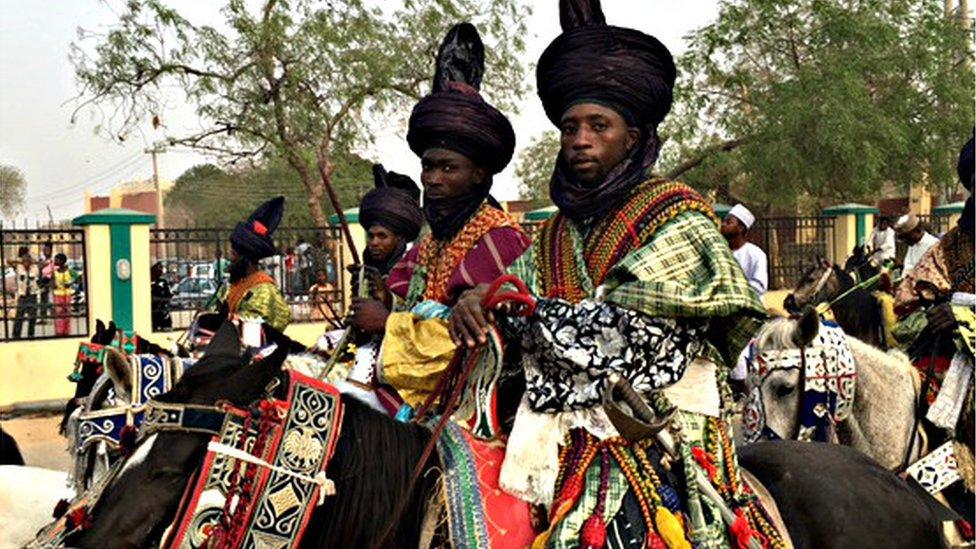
[[238, 269]]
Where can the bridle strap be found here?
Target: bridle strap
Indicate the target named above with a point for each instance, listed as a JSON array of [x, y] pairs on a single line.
[[186, 418]]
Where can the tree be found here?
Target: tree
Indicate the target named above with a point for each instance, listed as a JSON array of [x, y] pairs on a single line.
[[209, 196], [535, 165], [13, 187], [297, 80], [820, 100]]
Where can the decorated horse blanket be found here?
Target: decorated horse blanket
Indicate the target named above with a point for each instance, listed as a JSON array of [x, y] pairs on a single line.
[[828, 378]]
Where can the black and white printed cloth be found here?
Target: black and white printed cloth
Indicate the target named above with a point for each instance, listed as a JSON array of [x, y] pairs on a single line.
[[569, 351]]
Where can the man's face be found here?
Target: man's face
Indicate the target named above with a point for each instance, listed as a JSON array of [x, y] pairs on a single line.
[[593, 140], [883, 224], [732, 227], [238, 266], [911, 237], [446, 174], [380, 242]]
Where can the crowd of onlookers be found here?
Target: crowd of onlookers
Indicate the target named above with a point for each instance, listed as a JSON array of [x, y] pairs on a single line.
[[42, 289], [301, 269]]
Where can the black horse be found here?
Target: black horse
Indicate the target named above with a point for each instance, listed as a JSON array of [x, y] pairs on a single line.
[[375, 458], [371, 466], [858, 313]]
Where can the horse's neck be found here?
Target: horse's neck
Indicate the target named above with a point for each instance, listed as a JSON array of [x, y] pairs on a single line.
[[884, 405]]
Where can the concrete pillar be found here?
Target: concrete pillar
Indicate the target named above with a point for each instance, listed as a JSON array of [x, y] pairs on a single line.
[[117, 268], [919, 200], [852, 227]]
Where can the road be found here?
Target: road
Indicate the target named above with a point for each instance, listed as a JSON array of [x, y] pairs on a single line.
[[39, 441]]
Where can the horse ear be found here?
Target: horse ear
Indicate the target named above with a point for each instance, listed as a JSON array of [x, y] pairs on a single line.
[[225, 342], [806, 328], [119, 370], [99, 330]]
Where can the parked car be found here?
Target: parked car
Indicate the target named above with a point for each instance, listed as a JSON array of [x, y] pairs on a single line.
[[193, 292]]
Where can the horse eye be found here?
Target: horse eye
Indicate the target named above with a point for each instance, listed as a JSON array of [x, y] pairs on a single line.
[[785, 390]]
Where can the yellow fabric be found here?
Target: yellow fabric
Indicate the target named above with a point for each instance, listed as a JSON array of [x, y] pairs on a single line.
[[966, 319], [62, 282], [415, 354], [887, 302]]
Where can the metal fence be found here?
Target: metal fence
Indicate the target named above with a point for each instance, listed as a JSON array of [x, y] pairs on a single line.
[[791, 245], [194, 264], [40, 300]]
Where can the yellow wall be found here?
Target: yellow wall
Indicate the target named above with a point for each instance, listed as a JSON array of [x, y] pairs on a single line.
[[141, 296], [98, 274], [38, 370], [845, 237]]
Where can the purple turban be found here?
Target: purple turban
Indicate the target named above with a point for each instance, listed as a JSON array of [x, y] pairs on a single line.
[[455, 116], [592, 62], [394, 204]]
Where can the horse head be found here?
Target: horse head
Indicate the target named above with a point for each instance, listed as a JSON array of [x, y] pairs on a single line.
[[821, 282], [135, 506], [775, 382]]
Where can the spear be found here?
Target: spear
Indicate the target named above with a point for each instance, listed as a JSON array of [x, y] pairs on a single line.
[[334, 199]]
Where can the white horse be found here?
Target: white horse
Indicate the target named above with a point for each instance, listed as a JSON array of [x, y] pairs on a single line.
[[881, 421], [28, 496]]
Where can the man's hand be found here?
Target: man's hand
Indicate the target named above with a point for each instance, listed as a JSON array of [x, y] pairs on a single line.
[[369, 315], [469, 321], [941, 318]]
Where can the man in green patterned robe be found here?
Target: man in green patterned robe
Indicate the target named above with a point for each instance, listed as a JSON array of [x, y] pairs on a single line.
[[251, 292], [631, 277]]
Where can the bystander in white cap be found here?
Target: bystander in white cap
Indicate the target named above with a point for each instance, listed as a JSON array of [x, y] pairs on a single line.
[[743, 214], [906, 224]]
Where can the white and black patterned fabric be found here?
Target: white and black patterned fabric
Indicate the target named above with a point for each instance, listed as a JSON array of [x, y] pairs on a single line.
[[570, 351]]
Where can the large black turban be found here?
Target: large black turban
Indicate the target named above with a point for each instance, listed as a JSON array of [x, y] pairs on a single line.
[[394, 204], [455, 116], [253, 237], [965, 166], [593, 62]]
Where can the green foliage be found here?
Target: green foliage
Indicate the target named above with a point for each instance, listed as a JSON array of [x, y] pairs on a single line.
[[209, 196], [825, 100], [293, 79], [13, 187], [534, 167]]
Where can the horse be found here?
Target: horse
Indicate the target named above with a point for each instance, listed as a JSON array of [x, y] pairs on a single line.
[[140, 502], [881, 423], [858, 313], [373, 468]]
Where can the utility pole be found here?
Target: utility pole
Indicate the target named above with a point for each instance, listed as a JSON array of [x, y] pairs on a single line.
[[156, 149]]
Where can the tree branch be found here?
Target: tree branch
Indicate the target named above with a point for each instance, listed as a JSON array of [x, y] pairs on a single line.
[[694, 162]]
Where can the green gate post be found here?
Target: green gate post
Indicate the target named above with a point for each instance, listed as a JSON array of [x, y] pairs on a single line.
[[117, 268]]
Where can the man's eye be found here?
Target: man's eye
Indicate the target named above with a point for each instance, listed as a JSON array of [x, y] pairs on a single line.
[[569, 130], [448, 169], [599, 127]]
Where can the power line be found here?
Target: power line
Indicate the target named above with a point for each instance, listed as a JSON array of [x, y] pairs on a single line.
[[118, 166]]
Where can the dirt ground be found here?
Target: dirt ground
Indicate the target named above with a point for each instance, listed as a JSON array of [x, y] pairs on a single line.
[[39, 441]]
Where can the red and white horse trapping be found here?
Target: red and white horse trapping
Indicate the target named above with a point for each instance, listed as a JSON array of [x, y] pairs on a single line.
[[262, 477]]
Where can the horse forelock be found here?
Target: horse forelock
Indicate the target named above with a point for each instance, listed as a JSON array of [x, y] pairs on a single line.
[[775, 335]]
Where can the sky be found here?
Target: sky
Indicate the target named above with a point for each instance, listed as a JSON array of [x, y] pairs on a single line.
[[60, 160]]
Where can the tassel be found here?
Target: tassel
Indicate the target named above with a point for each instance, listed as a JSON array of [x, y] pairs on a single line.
[[594, 533], [965, 529], [706, 462], [127, 440], [670, 529], [60, 509], [571, 491], [654, 541], [741, 531], [75, 377]]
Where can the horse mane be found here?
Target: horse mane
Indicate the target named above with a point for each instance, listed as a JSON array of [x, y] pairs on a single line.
[[371, 467], [844, 278]]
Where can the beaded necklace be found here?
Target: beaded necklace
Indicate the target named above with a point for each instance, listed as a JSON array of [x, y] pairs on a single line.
[[571, 265], [438, 259]]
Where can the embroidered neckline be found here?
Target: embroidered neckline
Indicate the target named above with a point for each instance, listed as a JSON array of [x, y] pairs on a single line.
[[571, 265]]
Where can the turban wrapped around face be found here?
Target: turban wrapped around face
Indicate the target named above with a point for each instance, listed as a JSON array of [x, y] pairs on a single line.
[[622, 69], [394, 204]]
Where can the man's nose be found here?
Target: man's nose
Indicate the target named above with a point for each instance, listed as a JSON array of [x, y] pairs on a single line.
[[582, 139]]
